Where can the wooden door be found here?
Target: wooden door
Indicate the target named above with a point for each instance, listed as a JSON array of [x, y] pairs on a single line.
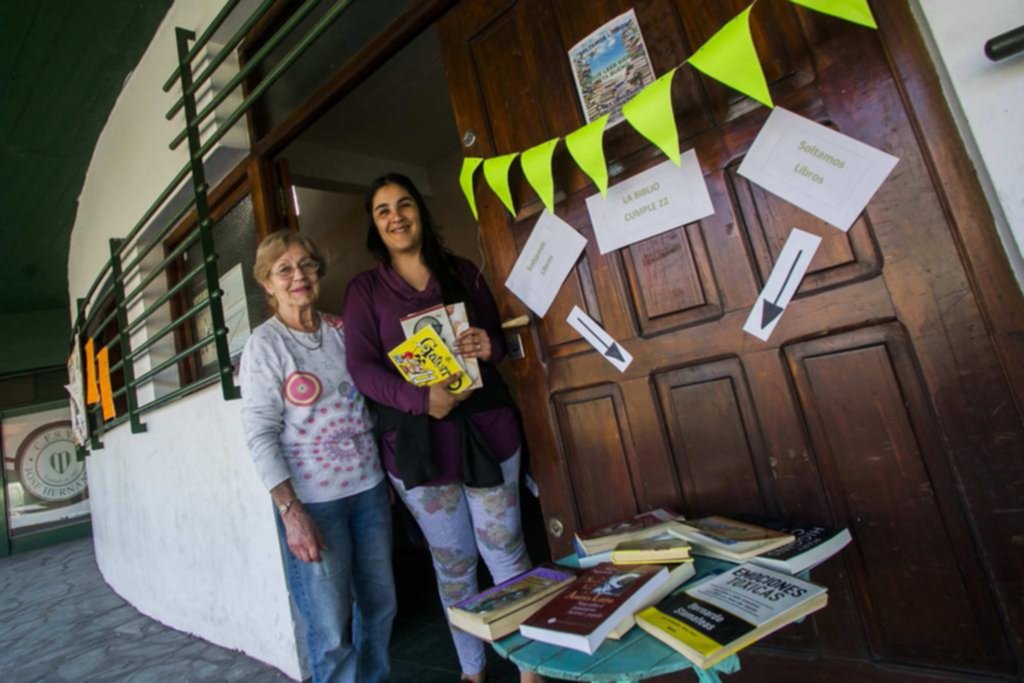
[[880, 402]]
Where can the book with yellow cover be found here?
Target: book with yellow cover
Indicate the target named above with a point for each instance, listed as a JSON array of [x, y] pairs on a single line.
[[423, 359], [711, 620], [646, 550]]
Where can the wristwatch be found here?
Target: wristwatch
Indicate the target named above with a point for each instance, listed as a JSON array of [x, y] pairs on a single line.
[[283, 508]]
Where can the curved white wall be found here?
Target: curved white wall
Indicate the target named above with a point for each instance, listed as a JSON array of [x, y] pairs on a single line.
[[183, 528], [987, 100], [185, 533]]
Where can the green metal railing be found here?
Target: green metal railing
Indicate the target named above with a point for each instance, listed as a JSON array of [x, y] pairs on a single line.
[[110, 285]]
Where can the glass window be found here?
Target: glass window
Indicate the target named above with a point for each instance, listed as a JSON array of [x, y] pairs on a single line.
[[45, 482], [235, 242], [358, 24]]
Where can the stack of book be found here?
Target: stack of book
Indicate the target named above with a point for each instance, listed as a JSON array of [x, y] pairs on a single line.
[[729, 539], [648, 584], [594, 546]]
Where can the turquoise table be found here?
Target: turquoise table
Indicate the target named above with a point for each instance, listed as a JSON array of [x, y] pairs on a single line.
[[635, 657]]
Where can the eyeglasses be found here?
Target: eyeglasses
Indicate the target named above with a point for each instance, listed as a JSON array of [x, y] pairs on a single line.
[[286, 271]]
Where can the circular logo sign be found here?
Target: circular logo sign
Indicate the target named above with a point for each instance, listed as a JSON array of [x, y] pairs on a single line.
[[47, 465]]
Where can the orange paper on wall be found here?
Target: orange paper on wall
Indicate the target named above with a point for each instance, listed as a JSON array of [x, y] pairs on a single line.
[[106, 394], [92, 393]]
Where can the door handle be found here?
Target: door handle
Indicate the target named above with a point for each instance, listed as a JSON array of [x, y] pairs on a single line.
[[555, 527]]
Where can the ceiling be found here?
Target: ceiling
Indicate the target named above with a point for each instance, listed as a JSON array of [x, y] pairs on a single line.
[[62, 65]]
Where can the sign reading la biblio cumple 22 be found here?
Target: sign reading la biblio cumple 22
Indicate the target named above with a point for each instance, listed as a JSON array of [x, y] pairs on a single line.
[[826, 173]]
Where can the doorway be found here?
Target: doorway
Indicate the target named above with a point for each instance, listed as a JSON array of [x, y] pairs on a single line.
[[400, 119]]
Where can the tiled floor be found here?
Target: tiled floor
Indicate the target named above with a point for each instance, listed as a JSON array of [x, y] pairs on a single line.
[[421, 645], [59, 621]]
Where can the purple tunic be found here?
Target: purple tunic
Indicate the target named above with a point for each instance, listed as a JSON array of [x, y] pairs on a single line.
[[375, 303]]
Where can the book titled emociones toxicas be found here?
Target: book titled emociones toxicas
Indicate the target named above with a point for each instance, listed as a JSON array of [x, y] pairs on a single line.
[[498, 611], [423, 359], [582, 616], [713, 619]]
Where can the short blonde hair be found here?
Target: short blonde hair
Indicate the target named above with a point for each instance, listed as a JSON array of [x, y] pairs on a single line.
[[271, 249]]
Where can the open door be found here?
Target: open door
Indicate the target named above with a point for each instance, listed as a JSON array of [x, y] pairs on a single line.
[[879, 403]]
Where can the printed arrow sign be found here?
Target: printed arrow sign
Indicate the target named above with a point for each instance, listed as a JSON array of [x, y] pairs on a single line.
[[599, 339], [782, 284]]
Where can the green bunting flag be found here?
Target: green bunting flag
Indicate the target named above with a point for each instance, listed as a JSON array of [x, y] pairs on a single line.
[[536, 163], [729, 56], [587, 149], [496, 174], [650, 112], [856, 11], [469, 166]]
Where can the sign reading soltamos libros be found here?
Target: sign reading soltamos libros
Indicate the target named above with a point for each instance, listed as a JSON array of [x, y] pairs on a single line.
[[825, 173]]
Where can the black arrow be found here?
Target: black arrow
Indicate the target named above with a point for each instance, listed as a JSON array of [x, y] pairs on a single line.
[[772, 310], [612, 350]]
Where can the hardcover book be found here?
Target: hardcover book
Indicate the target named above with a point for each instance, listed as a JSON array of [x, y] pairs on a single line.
[[813, 545], [423, 359], [449, 322], [498, 611], [720, 616], [729, 539], [678, 574], [582, 616], [605, 538]]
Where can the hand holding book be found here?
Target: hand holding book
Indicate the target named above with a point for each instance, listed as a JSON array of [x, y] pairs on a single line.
[[474, 342]]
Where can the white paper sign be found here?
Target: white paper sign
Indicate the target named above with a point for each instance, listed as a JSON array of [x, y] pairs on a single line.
[[782, 284], [825, 173], [599, 339], [650, 203], [545, 262]]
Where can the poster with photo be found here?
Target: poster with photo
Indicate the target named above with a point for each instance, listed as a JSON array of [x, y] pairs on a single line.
[[610, 66], [45, 481]]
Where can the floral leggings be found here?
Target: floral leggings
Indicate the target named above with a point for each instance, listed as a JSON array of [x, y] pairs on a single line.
[[461, 523]]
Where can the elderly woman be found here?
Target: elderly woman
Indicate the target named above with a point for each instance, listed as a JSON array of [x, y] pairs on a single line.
[[454, 460], [310, 436]]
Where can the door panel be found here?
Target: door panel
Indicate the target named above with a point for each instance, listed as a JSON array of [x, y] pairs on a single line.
[[597, 443], [875, 403], [709, 412], [873, 439]]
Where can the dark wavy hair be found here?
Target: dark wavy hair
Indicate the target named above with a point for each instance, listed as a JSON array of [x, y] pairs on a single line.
[[436, 257]]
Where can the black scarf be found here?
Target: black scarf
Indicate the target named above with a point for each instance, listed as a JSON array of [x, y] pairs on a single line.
[[413, 451]]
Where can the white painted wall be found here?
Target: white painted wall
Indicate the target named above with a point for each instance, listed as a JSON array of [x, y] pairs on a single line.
[[987, 99], [185, 533], [182, 526]]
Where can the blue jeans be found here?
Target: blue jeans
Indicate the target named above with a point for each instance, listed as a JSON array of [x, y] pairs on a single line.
[[355, 568]]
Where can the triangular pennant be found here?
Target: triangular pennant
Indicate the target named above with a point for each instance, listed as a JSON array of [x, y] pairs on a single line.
[[650, 112], [536, 163], [92, 390], [856, 11], [729, 56], [469, 166], [587, 149], [496, 174]]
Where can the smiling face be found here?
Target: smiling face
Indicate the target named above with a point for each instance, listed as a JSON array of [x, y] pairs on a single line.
[[397, 218], [294, 282]]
